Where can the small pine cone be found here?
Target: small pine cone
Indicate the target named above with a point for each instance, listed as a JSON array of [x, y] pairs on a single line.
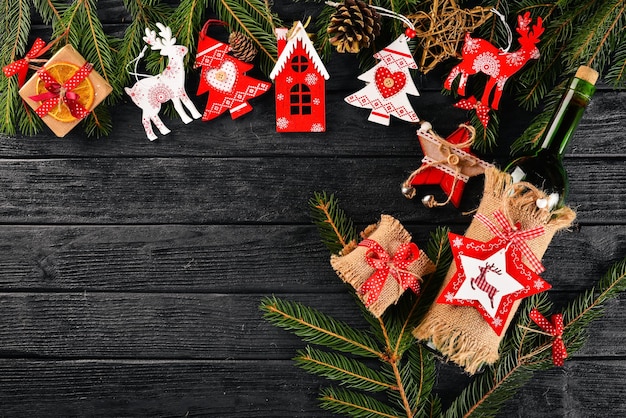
[[353, 26], [242, 47]]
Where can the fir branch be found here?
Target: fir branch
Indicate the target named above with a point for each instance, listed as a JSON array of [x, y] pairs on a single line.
[[317, 328], [348, 371], [616, 74], [185, 23], [335, 227], [590, 306], [419, 375], [49, 10], [355, 404], [15, 29], [256, 21]]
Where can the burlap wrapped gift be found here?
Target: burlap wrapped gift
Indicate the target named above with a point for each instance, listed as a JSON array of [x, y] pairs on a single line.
[[459, 332], [352, 267], [67, 54]]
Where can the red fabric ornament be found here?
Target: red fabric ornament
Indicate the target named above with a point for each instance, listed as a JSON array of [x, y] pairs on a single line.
[[57, 92], [480, 56], [490, 276], [389, 83], [20, 67], [300, 83], [515, 237], [448, 163], [482, 110], [386, 265], [223, 76], [554, 327]]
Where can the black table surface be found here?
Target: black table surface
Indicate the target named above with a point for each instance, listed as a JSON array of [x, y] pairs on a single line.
[[131, 271]]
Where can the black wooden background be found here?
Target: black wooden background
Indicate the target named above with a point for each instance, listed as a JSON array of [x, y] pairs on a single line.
[[131, 271]]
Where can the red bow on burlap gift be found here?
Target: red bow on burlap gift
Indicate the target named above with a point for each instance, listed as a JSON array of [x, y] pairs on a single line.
[[20, 67], [555, 329], [515, 236], [482, 110], [385, 265], [57, 92]]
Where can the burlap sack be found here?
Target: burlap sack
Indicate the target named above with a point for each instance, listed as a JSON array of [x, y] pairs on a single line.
[[459, 332], [352, 267]]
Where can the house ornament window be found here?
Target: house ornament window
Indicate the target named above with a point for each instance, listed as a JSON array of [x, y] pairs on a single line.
[[300, 99], [299, 63]]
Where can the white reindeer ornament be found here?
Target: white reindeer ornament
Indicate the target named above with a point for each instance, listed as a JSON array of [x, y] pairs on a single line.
[[154, 90]]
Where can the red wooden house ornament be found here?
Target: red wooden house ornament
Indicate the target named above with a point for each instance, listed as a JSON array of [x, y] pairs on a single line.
[[300, 83]]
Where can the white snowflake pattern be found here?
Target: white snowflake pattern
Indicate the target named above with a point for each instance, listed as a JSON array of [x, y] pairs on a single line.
[[282, 123], [289, 79], [497, 321], [471, 46], [317, 101], [311, 79], [487, 63], [515, 59], [449, 297], [457, 242], [280, 97], [538, 284], [317, 127]]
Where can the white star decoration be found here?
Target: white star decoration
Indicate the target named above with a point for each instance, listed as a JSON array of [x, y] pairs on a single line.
[[490, 276]]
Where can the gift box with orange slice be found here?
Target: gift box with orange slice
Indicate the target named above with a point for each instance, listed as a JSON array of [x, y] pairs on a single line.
[[65, 90]]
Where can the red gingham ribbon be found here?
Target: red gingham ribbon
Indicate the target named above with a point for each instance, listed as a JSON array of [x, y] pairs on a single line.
[[57, 92], [20, 67], [482, 110], [553, 327], [385, 264], [515, 236]]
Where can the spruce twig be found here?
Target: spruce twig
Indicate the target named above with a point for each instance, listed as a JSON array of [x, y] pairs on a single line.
[[334, 226]]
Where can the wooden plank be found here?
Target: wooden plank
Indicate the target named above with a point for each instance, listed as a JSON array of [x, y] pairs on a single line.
[[191, 326], [600, 133], [260, 389], [254, 190], [234, 258]]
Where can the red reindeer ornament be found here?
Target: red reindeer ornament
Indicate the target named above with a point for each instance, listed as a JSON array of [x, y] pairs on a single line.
[[223, 76], [480, 56]]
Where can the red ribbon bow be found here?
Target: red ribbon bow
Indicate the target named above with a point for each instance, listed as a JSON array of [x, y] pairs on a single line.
[[554, 328], [57, 92], [20, 67], [385, 264], [515, 236], [482, 110]]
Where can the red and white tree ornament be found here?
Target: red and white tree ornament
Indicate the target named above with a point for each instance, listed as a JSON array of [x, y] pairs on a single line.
[[154, 90], [223, 76], [389, 82], [480, 56], [299, 83]]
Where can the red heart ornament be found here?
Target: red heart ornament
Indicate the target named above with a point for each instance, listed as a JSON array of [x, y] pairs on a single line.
[[389, 83]]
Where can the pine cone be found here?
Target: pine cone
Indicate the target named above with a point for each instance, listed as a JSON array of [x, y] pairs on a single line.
[[242, 47], [353, 26]]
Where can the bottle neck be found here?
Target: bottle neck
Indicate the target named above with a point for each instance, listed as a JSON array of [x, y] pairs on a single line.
[[565, 119]]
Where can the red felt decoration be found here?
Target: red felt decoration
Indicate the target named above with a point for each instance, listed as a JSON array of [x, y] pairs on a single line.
[[300, 83], [553, 327], [389, 83], [480, 56], [223, 76], [448, 163], [490, 276]]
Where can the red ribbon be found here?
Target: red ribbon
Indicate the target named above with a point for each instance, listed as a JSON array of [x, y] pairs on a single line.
[[553, 327], [57, 92], [482, 110], [20, 67], [385, 265], [515, 236]]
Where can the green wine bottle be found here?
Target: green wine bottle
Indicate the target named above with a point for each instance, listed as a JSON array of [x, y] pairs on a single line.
[[544, 167]]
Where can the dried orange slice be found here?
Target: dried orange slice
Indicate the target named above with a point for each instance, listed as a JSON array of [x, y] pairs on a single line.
[[61, 72]]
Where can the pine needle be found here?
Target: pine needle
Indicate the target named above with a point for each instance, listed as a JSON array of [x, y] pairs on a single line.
[[334, 226]]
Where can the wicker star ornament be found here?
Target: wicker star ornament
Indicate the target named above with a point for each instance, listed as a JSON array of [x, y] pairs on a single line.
[[441, 30]]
